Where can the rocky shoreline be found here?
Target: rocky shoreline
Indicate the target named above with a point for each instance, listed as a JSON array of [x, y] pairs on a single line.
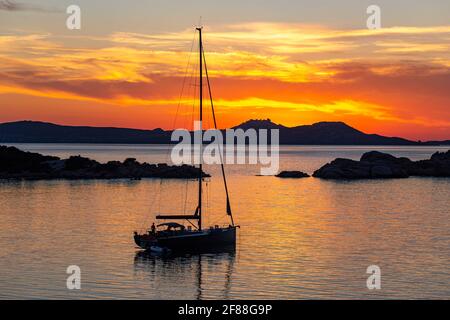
[[20, 165], [378, 165]]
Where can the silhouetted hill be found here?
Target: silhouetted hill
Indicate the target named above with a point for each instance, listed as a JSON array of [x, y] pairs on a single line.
[[337, 133], [324, 133], [321, 133], [43, 132], [259, 124], [437, 143]]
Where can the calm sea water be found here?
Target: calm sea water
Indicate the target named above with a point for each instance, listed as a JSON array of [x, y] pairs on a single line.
[[299, 239]]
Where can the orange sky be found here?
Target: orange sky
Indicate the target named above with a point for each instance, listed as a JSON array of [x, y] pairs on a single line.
[[394, 81]]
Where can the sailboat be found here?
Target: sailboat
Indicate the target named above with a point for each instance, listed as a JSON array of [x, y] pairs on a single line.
[[175, 236]]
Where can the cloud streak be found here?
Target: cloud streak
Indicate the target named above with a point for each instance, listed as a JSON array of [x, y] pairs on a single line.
[[9, 5]]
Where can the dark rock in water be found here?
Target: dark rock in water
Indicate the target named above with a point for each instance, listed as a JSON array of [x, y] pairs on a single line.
[[78, 163], [383, 165], [13, 160], [378, 165], [380, 157], [17, 164], [130, 161], [437, 166], [343, 169], [292, 174], [441, 156]]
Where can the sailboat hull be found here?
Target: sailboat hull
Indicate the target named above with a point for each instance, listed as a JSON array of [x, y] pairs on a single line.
[[192, 241]]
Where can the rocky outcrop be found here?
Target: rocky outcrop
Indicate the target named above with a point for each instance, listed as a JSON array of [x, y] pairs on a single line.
[[17, 164], [437, 166], [378, 165], [292, 174]]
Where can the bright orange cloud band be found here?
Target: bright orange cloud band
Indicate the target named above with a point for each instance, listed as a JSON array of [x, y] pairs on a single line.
[[393, 81]]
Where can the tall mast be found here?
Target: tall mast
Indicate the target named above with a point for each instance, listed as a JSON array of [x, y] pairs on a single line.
[[201, 128]]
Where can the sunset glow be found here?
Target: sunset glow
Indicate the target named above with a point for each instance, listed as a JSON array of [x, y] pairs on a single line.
[[393, 81]]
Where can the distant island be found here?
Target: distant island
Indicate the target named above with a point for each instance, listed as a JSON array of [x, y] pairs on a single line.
[[321, 133], [17, 164]]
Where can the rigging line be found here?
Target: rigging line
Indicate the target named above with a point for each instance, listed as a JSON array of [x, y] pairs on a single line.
[[192, 86], [156, 202], [182, 92], [185, 195], [184, 80], [207, 197], [146, 216], [208, 200], [188, 74], [194, 101], [186, 191], [220, 153], [159, 195], [192, 223], [182, 88], [193, 116]]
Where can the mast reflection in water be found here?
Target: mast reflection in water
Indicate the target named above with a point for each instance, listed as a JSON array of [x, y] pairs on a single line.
[[206, 272]]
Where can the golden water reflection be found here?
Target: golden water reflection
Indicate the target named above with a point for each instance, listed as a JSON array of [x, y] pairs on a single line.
[[304, 238]]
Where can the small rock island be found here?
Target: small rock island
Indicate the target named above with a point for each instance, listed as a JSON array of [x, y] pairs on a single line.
[[18, 164], [292, 174], [378, 165]]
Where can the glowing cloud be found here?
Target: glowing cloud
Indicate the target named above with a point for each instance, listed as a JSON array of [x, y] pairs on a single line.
[[385, 75]]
